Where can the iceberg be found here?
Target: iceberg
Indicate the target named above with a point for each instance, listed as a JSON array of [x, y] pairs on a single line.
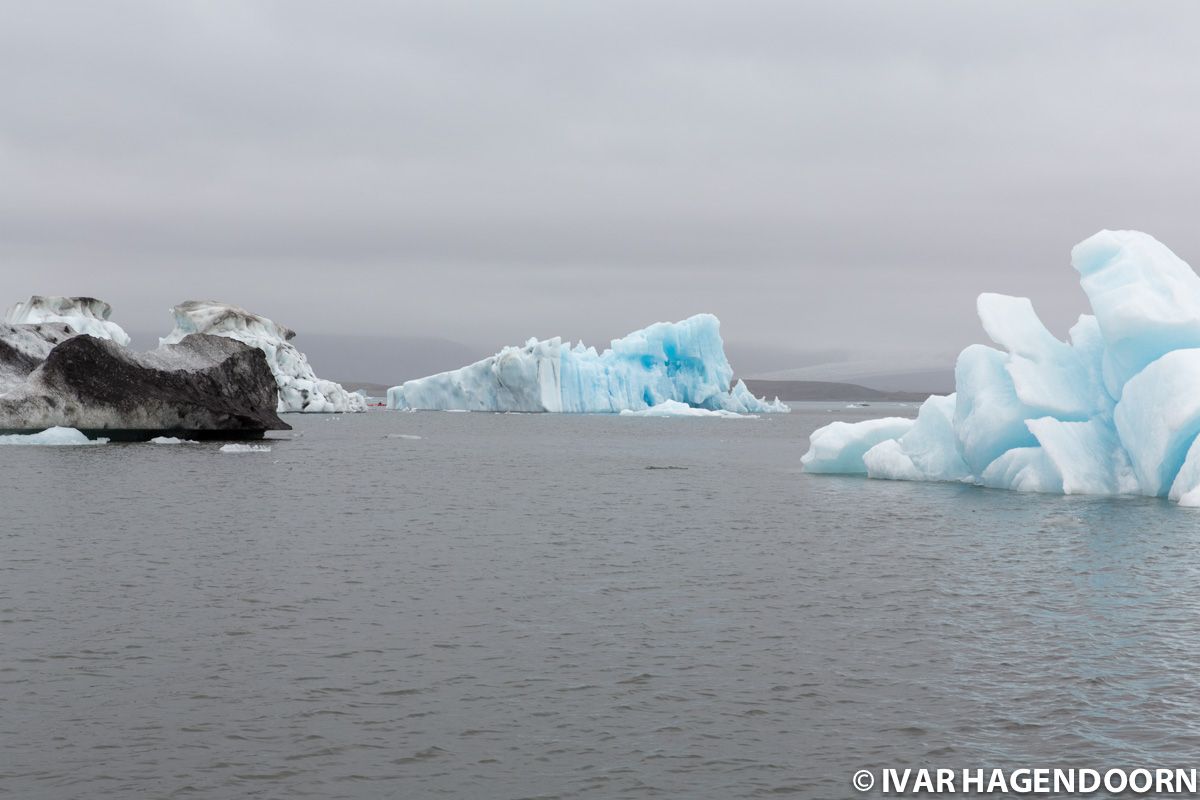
[[682, 362], [204, 387], [299, 387], [1114, 410], [84, 315]]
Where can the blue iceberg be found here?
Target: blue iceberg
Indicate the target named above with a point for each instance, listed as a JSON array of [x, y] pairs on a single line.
[[682, 362], [1115, 410]]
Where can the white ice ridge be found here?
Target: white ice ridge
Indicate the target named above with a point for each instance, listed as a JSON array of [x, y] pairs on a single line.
[[680, 361], [83, 315], [299, 387], [1113, 411]]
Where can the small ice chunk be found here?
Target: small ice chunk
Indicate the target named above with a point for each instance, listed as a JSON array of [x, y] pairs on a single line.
[[172, 440], [51, 437], [245, 448]]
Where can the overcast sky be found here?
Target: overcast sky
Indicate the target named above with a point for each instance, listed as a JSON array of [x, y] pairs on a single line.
[[823, 176]]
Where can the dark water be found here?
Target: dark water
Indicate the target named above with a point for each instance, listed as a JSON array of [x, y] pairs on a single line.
[[515, 607]]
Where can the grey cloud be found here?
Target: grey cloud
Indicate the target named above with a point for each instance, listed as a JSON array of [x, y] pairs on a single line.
[[823, 176]]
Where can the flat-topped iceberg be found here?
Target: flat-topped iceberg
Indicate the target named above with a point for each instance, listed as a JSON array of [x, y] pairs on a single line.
[[1115, 410], [299, 387], [682, 362]]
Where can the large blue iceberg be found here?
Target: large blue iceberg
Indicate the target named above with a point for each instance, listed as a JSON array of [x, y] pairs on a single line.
[[679, 361], [1113, 411]]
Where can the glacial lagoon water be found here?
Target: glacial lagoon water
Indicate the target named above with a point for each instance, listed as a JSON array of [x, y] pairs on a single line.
[[519, 606]]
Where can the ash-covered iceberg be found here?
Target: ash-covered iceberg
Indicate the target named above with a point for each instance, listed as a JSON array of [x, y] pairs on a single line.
[[299, 387], [82, 314], [1113, 411], [204, 387], [682, 362]]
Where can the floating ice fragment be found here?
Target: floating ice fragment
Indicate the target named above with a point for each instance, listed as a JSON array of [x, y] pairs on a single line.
[[51, 437], [245, 448]]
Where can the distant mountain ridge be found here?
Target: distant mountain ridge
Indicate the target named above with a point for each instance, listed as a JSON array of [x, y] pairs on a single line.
[[826, 390]]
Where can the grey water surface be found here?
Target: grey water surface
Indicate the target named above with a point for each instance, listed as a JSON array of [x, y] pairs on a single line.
[[517, 606]]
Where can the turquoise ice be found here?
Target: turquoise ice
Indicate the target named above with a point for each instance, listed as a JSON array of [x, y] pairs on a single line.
[[682, 362], [1114, 410]]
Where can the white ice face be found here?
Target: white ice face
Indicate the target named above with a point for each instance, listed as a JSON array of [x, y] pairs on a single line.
[[85, 315], [299, 387], [840, 447], [683, 362], [1116, 410]]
